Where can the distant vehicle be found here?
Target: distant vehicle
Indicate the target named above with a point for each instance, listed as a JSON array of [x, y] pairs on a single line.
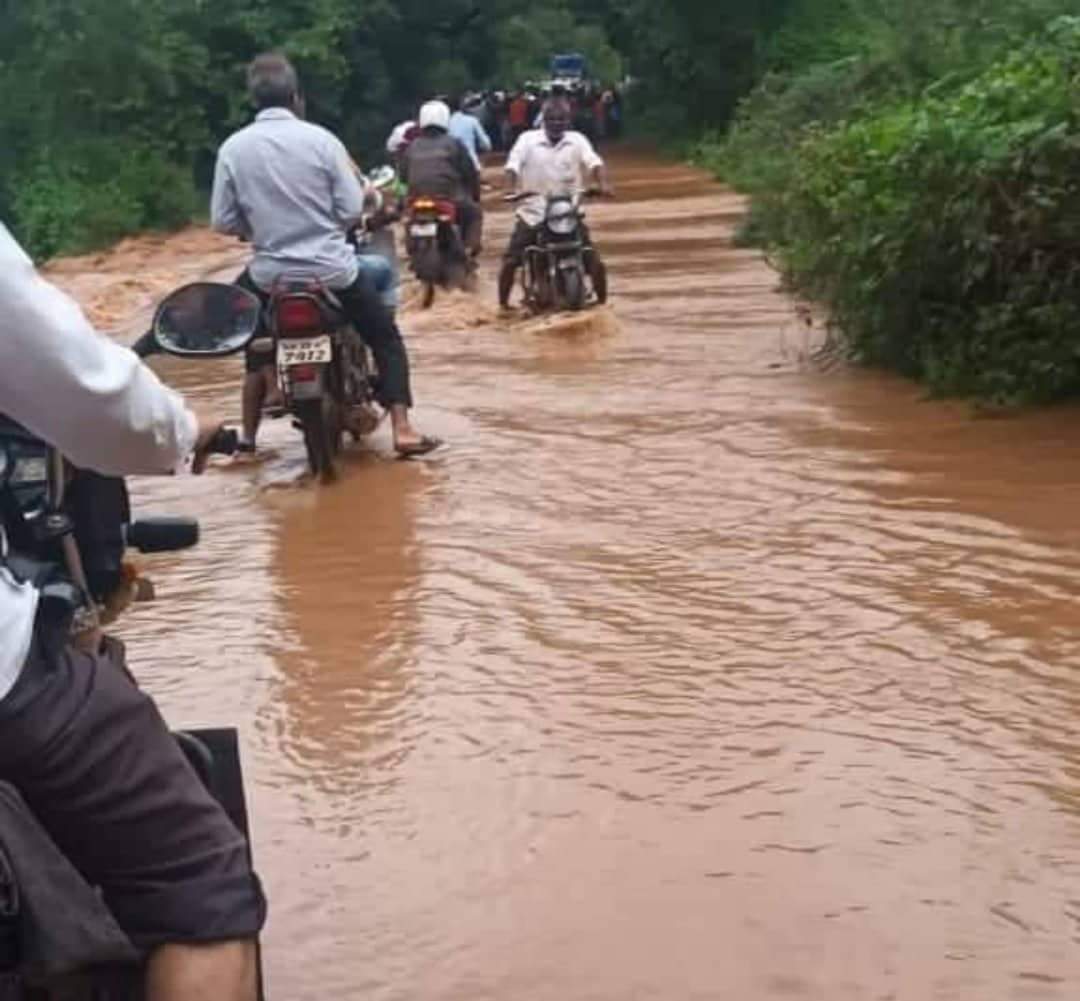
[[569, 68]]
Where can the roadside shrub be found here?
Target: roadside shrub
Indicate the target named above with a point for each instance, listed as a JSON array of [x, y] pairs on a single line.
[[88, 196], [943, 234], [758, 154]]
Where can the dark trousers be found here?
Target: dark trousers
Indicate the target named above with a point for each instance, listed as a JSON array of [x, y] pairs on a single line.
[[524, 236], [376, 326], [97, 766], [471, 220]]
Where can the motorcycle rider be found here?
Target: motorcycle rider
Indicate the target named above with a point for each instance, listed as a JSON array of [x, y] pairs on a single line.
[[547, 161], [436, 165], [289, 187], [468, 130], [89, 752]]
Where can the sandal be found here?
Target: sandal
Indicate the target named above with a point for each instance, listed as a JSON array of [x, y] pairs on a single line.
[[425, 445]]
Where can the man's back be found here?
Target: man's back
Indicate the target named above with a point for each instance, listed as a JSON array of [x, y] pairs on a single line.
[[438, 165], [468, 131], [288, 186]]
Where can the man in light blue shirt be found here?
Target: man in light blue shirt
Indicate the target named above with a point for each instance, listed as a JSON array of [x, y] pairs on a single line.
[[290, 188], [468, 131]]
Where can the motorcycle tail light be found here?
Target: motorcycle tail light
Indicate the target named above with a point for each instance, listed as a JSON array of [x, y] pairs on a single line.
[[304, 373], [298, 316]]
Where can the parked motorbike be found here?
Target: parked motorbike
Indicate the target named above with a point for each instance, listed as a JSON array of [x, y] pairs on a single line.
[[68, 531], [435, 247], [555, 276], [325, 373]]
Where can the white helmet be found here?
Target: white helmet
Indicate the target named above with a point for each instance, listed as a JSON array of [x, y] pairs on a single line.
[[435, 114]]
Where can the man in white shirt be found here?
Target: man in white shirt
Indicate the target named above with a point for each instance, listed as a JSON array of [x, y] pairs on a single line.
[[289, 187], [547, 161], [86, 749]]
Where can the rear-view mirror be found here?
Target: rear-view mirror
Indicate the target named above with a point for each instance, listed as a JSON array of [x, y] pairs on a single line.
[[382, 177], [206, 319]]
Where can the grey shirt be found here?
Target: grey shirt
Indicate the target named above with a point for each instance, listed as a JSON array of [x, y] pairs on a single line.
[[289, 187]]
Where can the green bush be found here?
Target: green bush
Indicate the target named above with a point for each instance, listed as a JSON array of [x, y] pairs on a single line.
[[89, 196], [943, 234], [757, 154]]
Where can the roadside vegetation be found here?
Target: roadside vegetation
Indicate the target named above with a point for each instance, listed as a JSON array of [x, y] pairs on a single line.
[[113, 109], [913, 168], [912, 163]]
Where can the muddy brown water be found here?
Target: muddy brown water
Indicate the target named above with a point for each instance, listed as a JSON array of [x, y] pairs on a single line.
[[684, 672]]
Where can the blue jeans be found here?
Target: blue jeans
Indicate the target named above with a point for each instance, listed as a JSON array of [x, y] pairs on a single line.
[[382, 275]]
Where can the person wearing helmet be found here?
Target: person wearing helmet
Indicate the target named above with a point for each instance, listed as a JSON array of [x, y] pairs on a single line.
[[436, 165]]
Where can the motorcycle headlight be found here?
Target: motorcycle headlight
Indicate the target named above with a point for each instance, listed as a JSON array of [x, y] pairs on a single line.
[[562, 223]]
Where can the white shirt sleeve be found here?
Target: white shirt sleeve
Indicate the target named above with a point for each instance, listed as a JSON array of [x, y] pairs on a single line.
[[93, 399], [516, 160]]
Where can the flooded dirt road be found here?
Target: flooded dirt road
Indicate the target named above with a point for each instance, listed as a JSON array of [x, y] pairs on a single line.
[[684, 672]]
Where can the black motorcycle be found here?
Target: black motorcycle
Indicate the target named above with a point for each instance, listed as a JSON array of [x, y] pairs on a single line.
[[555, 275], [436, 250], [325, 372], [67, 531]]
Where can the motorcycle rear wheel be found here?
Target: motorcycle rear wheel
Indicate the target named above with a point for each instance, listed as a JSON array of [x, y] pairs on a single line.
[[323, 431]]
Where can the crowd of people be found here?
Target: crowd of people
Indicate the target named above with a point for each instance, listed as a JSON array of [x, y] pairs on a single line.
[[596, 110]]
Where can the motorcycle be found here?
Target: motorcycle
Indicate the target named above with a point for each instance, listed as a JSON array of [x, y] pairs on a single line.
[[324, 370], [435, 247], [555, 276], [68, 531]]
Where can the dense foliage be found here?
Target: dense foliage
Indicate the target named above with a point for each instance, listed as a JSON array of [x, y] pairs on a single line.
[[910, 161], [113, 108], [913, 169]]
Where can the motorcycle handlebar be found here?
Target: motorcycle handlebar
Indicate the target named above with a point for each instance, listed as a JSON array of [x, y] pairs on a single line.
[[520, 196], [162, 535], [146, 345]]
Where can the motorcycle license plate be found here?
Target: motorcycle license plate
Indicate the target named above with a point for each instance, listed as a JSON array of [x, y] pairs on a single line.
[[422, 229], [305, 351]]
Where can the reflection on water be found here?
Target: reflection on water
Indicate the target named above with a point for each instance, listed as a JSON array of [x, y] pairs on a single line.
[[682, 673]]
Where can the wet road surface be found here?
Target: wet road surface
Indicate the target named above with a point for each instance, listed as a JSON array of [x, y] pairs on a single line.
[[685, 672]]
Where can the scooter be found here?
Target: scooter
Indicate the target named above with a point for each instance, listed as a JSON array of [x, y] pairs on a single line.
[[67, 531]]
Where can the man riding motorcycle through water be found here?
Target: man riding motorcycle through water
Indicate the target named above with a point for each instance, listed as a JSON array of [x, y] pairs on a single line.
[[288, 186], [548, 161], [436, 165], [89, 752]]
